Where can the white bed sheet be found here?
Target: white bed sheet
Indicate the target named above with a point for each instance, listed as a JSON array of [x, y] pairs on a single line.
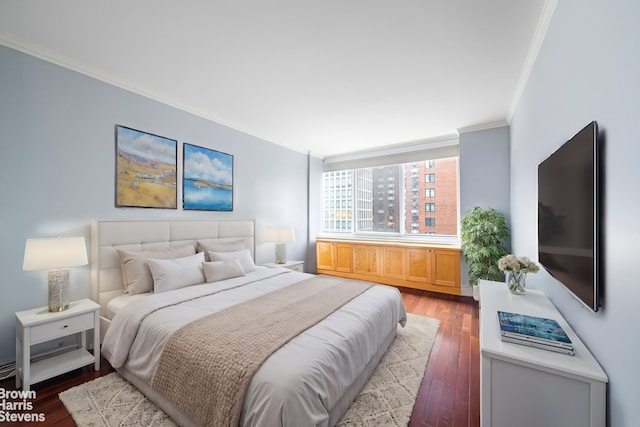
[[300, 383], [118, 303]]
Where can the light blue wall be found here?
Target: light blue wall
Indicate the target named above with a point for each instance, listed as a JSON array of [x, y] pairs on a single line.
[[315, 211], [484, 174], [484, 169], [58, 163], [589, 69]]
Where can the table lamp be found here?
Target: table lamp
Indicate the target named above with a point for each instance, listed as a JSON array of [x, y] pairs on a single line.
[[55, 254], [280, 236]]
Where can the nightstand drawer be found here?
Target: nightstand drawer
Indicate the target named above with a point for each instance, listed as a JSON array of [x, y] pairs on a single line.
[[297, 267], [62, 327]]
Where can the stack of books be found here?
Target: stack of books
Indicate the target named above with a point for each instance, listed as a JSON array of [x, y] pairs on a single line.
[[534, 331]]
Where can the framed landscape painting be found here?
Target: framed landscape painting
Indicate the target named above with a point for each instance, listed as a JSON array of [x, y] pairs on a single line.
[[146, 175], [207, 182]]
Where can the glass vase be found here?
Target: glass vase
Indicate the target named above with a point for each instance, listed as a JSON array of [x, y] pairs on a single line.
[[516, 282]]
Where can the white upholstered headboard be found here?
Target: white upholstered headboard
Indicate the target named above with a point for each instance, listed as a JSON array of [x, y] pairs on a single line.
[[107, 236]]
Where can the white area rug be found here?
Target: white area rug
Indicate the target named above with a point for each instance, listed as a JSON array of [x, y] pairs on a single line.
[[386, 400]]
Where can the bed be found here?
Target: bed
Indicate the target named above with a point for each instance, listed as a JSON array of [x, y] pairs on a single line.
[[310, 379]]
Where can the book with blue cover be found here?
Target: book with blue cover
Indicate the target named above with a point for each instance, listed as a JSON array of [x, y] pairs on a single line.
[[543, 332]]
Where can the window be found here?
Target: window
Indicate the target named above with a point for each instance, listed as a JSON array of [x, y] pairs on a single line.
[[394, 208]]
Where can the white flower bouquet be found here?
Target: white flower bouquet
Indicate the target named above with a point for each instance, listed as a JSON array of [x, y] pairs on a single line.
[[517, 268], [516, 265]]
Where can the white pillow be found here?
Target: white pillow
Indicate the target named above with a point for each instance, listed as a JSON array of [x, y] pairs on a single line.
[[135, 271], [176, 273], [215, 271], [244, 256]]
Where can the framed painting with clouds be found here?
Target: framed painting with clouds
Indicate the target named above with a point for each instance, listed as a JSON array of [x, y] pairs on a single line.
[[207, 181], [146, 175]]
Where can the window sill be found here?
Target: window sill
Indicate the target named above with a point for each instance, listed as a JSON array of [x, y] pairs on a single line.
[[448, 242]]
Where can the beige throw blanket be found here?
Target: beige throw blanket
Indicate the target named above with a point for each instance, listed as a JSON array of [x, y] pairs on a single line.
[[206, 366]]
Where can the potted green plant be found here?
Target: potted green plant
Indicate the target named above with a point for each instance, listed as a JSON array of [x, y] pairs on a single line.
[[483, 233]]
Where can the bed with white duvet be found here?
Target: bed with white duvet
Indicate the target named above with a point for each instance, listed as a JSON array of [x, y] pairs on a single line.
[[311, 380]]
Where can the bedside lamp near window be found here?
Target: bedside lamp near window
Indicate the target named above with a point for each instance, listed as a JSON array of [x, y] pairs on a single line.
[[56, 255], [280, 236]]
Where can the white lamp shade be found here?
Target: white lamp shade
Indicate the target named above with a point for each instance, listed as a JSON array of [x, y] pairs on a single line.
[[280, 234], [56, 252]]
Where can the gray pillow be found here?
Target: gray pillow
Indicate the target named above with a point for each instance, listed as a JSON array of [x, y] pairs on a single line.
[[215, 245], [244, 256]]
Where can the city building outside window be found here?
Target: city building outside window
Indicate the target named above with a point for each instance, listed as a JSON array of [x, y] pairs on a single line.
[[363, 205]]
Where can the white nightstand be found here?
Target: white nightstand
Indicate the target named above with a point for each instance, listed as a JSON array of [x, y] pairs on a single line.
[[291, 265], [40, 325]]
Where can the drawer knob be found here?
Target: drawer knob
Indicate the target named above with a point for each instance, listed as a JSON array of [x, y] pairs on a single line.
[[65, 326]]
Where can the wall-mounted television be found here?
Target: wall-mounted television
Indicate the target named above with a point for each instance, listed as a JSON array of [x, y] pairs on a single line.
[[569, 215]]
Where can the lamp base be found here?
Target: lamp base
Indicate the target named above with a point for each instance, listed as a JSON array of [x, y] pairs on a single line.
[[58, 290], [281, 253]]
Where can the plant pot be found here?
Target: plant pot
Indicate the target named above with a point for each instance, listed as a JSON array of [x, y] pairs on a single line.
[[476, 292]]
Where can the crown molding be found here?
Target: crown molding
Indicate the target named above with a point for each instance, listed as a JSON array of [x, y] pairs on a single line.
[[113, 81], [536, 43], [397, 147], [483, 126]]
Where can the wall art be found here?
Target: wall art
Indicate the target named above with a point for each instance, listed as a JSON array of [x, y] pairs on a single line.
[[146, 175], [207, 181]]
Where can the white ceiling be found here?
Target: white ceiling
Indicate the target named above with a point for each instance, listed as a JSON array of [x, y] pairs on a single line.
[[325, 76]]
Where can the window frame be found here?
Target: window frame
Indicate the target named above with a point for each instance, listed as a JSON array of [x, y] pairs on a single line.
[[405, 208]]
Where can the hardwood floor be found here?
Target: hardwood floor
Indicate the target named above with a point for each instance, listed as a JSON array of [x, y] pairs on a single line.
[[450, 391], [449, 395]]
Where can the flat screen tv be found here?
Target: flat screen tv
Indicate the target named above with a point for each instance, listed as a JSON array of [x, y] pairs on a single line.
[[569, 216]]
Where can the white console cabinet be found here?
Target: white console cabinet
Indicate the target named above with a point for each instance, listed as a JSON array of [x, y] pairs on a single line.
[[529, 387]]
